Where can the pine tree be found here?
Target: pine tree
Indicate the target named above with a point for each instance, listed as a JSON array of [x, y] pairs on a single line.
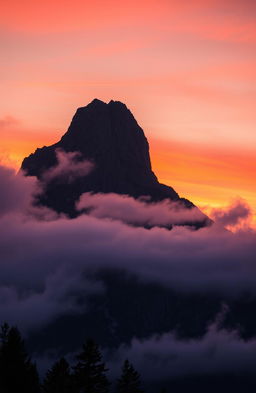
[[90, 371], [129, 382], [4, 333], [17, 372], [58, 378]]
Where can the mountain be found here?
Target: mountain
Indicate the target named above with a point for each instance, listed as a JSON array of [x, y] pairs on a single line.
[[110, 137], [129, 307]]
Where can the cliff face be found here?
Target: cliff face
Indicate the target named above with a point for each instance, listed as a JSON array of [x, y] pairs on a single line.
[[108, 135]]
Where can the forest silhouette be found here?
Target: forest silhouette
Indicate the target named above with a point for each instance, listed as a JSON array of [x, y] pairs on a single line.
[[89, 374], [18, 374]]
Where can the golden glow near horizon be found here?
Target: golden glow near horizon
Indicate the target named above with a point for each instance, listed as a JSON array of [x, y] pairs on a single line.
[[187, 71], [209, 177]]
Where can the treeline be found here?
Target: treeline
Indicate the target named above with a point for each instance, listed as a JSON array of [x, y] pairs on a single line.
[[18, 374], [89, 374]]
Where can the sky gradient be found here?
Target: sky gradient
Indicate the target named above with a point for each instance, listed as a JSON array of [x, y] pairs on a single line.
[[187, 71]]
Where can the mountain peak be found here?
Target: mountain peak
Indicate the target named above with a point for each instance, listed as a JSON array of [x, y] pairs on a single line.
[[117, 104], [99, 104], [108, 135], [95, 102]]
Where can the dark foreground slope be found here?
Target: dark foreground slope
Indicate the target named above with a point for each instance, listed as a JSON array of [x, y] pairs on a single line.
[[109, 136], [130, 309]]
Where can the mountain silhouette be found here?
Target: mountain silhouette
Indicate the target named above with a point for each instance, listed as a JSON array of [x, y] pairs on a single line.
[[110, 137]]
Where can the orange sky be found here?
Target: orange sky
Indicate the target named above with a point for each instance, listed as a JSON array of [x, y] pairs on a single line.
[[186, 69]]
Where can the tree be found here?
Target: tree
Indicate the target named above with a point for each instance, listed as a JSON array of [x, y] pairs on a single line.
[[129, 382], [89, 373], [17, 372], [4, 333], [58, 378]]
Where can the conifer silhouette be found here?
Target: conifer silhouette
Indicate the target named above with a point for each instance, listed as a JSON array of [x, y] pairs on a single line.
[[129, 382], [58, 378], [90, 371], [17, 372]]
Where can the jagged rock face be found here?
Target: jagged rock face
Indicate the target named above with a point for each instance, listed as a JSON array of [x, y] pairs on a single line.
[[108, 135]]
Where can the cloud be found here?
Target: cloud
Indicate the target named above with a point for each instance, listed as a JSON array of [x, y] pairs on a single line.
[[69, 167], [163, 357], [8, 121], [16, 191], [204, 260], [44, 260], [17, 197], [138, 212], [61, 294], [234, 215]]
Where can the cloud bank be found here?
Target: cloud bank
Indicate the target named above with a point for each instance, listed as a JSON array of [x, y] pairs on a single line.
[[138, 212], [164, 357], [44, 263]]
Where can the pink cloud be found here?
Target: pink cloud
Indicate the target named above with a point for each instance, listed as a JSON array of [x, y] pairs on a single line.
[[238, 213], [16, 193], [68, 167], [138, 212], [8, 121], [34, 253]]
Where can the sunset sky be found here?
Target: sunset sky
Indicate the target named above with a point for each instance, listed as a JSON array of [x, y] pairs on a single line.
[[186, 70]]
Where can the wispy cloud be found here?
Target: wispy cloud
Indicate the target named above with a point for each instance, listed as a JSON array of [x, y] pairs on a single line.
[[69, 167]]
